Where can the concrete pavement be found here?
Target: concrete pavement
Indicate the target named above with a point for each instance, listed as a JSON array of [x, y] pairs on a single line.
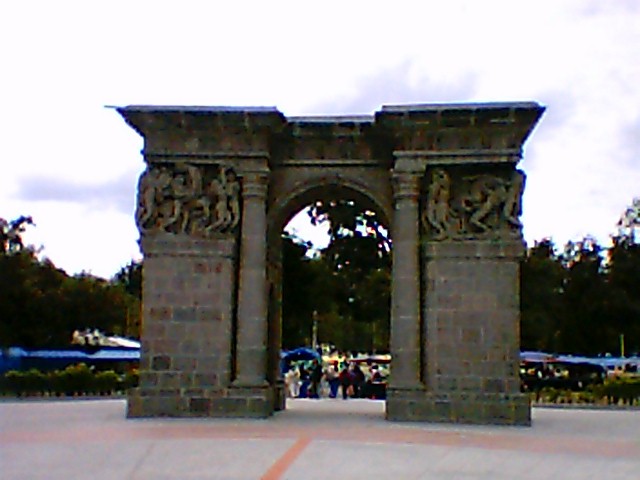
[[312, 439]]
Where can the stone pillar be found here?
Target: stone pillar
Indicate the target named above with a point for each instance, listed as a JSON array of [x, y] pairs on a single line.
[[274, 279], [188, 286], [405, 294], [251, 350], [473, 316]]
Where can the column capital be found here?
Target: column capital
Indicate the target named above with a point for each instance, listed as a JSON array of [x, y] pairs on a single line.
[[406, 185], [409, 162], [255, 184]]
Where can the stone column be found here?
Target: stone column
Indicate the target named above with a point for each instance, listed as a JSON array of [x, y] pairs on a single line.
[[405, 293], [251, 353], [274, 278]]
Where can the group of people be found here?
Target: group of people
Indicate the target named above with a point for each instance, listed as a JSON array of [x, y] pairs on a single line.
[[348, 380]]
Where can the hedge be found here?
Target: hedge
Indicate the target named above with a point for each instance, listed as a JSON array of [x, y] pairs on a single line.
[[75, 380], [79, 380], [614, 391]]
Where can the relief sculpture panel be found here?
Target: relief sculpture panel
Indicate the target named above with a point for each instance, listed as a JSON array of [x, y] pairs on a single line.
[[466, 205], [183, 198]]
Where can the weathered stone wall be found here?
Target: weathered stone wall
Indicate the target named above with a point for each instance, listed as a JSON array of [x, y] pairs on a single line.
[[472, 317], [472, 314], [188, 291]]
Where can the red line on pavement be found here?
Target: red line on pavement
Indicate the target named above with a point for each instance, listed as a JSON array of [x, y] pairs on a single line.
[[285, 461]]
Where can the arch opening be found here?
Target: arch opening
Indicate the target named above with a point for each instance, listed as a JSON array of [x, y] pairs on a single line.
[[332, 295]]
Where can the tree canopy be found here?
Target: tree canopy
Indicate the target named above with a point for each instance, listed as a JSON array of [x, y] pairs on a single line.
[[11, 234], [41, 306], [345, 287], [583, 299]]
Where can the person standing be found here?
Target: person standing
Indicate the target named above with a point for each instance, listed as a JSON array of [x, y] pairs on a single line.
[[316, 378], [357, 381], [304, 383], [292, 381], [333, 378], [345, 381]]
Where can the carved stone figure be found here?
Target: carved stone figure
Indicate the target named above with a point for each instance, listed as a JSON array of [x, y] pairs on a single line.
[[217, 192], [191, 195], [437, 213], [146, 198], [174, 201], [150, 187], [183, 188], [486, 194], [194, 206], [232, 190], [513, 204], [473, 206], [494, 202]]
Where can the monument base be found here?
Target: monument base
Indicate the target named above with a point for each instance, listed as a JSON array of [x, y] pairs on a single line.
[[458, 407], [279, 396], [235, 402]]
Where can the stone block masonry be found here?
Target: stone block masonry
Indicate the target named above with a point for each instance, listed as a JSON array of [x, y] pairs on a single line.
[[472, 315], [219, 186], [188, 291]]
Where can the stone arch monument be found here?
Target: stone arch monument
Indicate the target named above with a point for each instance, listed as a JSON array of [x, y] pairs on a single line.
[[220, 184]]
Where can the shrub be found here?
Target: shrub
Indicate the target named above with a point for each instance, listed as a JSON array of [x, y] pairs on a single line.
[[80, 378], [106, 383], [549, 394], [34, 382], [130, 379], [622, 389], [73, 380], [14, 382]]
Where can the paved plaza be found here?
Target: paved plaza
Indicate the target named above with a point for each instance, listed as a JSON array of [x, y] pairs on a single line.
[[321, 439]]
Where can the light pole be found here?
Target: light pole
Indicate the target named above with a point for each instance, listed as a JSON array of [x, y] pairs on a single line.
[[314, 331]]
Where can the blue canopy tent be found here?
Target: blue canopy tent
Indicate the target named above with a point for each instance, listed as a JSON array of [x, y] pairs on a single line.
[[11, 359], [300, 354], [20, 359]]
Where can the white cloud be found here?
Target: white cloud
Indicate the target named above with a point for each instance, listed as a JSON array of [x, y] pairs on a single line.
[[63, 61]]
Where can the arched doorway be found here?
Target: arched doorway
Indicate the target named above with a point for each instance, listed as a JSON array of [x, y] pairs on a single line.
[[221, 182], [357, 257]]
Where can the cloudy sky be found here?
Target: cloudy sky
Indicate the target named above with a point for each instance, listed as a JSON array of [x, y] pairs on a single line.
[[73, 164]]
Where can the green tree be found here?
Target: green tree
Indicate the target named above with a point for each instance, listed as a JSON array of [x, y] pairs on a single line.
[[297, 307], [542, 285], [584, 323], [362, 271], [41, 306], [345, 217], [629, 222], [92, 302], [130, 277], [346, 287], [25, 287], [11, 234], [623, 299]]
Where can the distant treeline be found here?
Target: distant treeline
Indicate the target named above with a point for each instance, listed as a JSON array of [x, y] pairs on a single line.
[[41, 306], [582, 299]]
